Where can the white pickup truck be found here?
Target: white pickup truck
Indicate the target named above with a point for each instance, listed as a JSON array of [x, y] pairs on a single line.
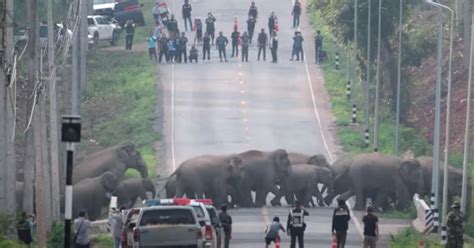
[[168, 226], [102, 29]]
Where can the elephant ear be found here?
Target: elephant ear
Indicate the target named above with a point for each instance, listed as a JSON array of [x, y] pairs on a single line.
[[126, 151], [236, 164], [109, 181], [410, 170], [281, 160], [319, 160]]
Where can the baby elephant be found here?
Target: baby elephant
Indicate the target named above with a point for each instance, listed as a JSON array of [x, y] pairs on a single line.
[[130, 189]]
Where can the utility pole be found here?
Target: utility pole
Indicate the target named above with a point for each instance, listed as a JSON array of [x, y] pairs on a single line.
[[84, 45], [354, 72], [367, 79], [377, 87], [3, 121], [467, 23], [465, 195], [399, 75], [53, 116]]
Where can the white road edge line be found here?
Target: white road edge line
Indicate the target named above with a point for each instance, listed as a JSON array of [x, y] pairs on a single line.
[[316, 112], [173, 157]]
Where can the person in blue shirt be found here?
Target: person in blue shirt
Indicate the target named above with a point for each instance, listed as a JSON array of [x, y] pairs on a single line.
[[151, 41], [172, 49]]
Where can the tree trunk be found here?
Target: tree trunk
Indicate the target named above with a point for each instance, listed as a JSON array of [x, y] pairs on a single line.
[[466, 13]]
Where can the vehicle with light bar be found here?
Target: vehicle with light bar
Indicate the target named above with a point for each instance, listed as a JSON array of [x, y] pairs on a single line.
[[210, 226], [168, 226]]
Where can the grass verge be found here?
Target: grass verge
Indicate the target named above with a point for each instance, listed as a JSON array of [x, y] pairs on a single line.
[[119, 104]]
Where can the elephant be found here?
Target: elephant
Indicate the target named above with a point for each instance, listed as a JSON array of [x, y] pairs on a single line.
[[302, 181], [299, 158], [342, 181], [454, 180], [261, 172], [90, 194], [116, 159], [130, 189], [207, 175], [388, 175]]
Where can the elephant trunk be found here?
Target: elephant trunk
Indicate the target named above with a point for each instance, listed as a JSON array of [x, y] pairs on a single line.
[[153, 193], [142, 168]]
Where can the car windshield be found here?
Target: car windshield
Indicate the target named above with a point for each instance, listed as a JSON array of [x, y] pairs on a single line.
[[90, 21], [199, 211], [213, 214], [103, 1], [167, 217]]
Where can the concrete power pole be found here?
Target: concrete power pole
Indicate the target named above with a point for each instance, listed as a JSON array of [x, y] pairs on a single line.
[[3, 121], [53, 115], [467, 15]]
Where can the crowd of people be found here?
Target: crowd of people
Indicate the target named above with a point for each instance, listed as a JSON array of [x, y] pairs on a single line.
[[167, 44]]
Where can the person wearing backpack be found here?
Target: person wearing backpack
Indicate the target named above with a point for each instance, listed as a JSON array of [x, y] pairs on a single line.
[[272, 232], [82, 226]]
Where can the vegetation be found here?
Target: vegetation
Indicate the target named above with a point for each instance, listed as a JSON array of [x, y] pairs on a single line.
[[102, 241], [411, 238]]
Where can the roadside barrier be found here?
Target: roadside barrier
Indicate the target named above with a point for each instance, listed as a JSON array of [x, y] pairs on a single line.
[[367, 137], [354, 114], [424, 221]]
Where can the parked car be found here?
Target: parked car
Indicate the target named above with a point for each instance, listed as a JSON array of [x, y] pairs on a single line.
[[102, 29], [169, 226], [120, 10]]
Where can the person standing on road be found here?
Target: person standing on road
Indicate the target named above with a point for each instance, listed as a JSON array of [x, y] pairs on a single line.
[[340, 223], [235, 37], [82, 226], [173, 26], [296, 225], [116, 222], [226, 222], [221, 43], [172, 46], [151, 41], [245, 47], [371, 228], [271, 22], [156, 11], [272, 232], [198, 27], [163, 46], [262, 44], [210, 26], [206, 47], [296, 13], [253, 12], [186, 11], [251, 27], [298, 46], [318, 46], [273, 43], [455, 226], [23, 229], [181, 48], [130, 31]]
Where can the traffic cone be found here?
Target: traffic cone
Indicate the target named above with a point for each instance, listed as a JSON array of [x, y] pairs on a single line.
[[334, 243], [277, 243], [276, 25], [236, 27], [421, 244]]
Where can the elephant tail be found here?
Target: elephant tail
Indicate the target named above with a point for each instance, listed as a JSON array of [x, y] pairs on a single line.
[[175, 173]]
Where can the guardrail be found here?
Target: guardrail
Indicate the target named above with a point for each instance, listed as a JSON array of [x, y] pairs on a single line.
[[424, 216]]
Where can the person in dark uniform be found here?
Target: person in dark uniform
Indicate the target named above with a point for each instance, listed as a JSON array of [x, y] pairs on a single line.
[[296, 13], [298, 46], [251, 27], [23, 229], [235, 36], [271, 22], [163, 46], [210, 26], [262, 44], [181, 48], [221, 44], [130, 31], [173, 26], [186, 10], [198, 27], [273, 43], [226, 222], [193, 54], [371, 228], [318, 46], [245, 47], [296, 225], [206, 47], [455, 227], [253, 12], [340, 223]]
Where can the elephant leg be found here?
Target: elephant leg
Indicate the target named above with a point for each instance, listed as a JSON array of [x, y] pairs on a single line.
[[360, 199], [180, 191], [260, 198], [276, 201], [246, 195], [290, 198], [306, 198], [318, 196], [190, 194], [133, 201]]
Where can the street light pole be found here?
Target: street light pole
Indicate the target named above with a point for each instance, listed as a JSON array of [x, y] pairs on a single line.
[[377, 86], [367, 79], [399, 72], [354, 73]]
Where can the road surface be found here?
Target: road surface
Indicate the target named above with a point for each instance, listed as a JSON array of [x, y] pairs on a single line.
[[220, 108]]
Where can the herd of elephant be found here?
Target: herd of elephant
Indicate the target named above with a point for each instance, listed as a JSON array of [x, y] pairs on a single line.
[[389, 181], [232, 179]]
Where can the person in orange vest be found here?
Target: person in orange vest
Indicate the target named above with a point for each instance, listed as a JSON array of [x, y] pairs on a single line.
[[272, 232]]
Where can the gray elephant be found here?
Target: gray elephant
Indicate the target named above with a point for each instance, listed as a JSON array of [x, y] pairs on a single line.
[[342, 180], [454, 180], [116, 159], [302, 181], [91, 194], [261, 172], [300, 158], [130, 189], [383, 174], [207, 175]]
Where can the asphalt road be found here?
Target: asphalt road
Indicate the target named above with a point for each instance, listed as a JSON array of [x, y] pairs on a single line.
[[215, 107]]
